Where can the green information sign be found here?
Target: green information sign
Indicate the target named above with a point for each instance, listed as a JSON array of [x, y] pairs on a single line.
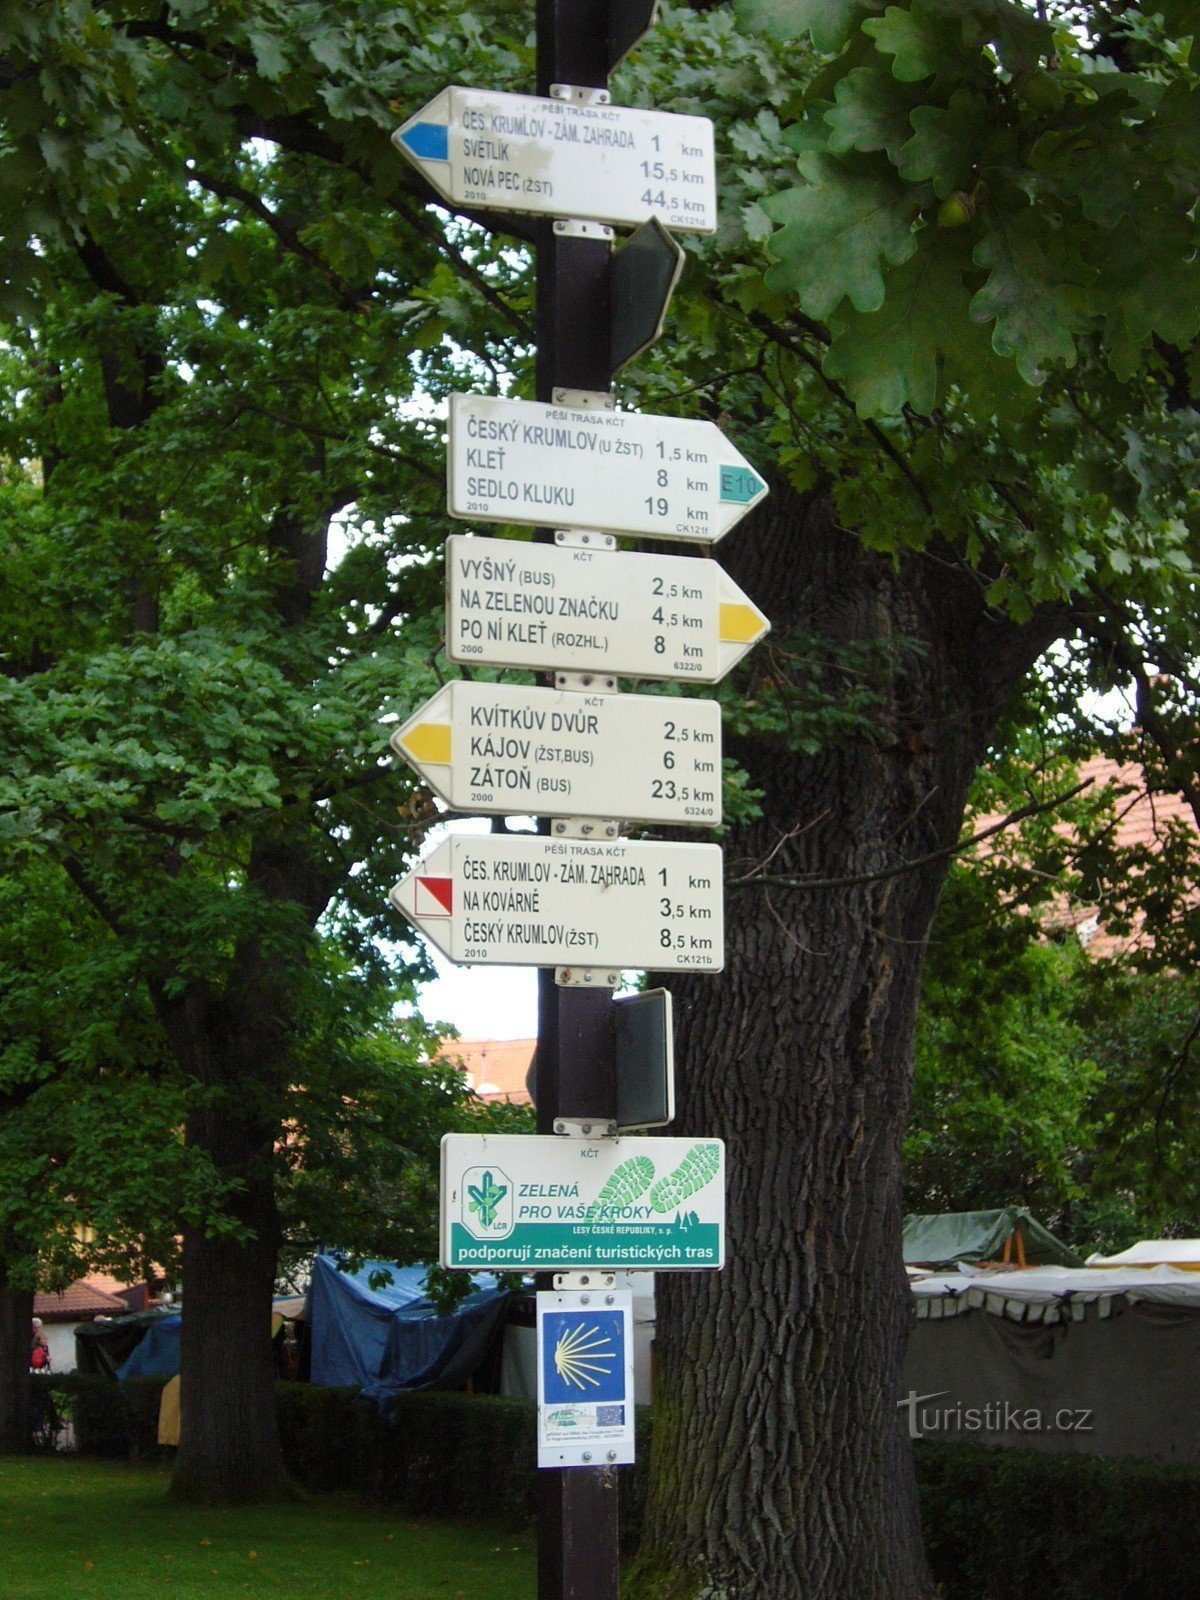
[[545, 1203]]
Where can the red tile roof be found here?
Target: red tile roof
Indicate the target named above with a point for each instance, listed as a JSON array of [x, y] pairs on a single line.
[[1142, 821], [495, 1068], [79, 1302]]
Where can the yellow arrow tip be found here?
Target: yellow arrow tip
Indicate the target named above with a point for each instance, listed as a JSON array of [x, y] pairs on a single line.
[[429, 742], [741, 624]]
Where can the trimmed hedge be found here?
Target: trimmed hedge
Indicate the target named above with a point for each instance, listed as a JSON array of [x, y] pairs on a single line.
[[110, 1419], [447, 1454], [1000, 1524], [1004, 1524]]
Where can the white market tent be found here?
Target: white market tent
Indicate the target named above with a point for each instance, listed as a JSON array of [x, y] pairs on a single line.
[[1182, 1253], [1053, 1294], [1059, 1358]]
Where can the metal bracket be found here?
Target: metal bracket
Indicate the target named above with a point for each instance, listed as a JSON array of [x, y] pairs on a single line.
[[574, 539], [580, 96], [573, 228], [585, 828], [585, 1127], [586, 978], [586, 399], [597, 1282], [586, 682]]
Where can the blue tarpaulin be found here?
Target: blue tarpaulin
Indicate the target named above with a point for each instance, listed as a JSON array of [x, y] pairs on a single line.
[[157, 1356], [388, 1339]]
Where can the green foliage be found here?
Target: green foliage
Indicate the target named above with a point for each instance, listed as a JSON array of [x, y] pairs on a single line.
[[425, 1460], [1065, 1080], [836, 238], [109, 1420], [828, 21], [93, 1167], [230, 319], [1070, 157], [220, 499], [1005, 1524], [1143, 1177], [1001, 1093]]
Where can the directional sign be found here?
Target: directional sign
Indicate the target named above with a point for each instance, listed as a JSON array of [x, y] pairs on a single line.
[[527, 900], [558, 158], [553, 608], [498, 747], [544, 1203], [663, 477], [585, 1378]]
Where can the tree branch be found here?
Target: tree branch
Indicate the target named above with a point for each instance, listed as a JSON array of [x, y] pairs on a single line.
[[425, 226], [99, 903], [287, 236], [1169, 746], [1032, 810], [768, 329]]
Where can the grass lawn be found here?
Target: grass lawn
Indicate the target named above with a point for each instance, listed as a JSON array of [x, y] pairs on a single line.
[[87, 1530]]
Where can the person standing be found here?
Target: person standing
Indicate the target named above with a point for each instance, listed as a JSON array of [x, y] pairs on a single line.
[[39, 1353]]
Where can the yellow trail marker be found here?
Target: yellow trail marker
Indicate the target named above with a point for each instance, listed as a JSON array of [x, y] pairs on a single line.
[[741, 624], [429, 741]]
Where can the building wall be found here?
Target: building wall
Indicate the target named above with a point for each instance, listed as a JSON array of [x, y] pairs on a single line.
[[60, 1336]]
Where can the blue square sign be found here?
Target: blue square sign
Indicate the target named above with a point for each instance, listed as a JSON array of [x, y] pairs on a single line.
[[585, 1377], [583, 1357]]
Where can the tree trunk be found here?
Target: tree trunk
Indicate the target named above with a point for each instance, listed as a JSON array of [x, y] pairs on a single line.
[[781, 1470], [229, 1450], [16, 1330], [237, 1051]]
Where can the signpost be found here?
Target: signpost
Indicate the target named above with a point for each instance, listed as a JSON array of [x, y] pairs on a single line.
[[576, 1201], [579, 609], [585, 1377], [497, 747], [527, 900], [537, 1202], [565, 158], [668, 478]]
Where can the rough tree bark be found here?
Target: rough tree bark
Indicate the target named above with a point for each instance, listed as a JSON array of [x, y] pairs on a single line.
[[780, 1466], [235, 1047], [229, 1440], [229, 1449], [16, 1321]]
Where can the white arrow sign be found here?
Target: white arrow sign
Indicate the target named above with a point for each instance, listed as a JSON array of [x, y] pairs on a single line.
[[557, 158], [664, 477], [499, 747], [549, 607], [533, 901]]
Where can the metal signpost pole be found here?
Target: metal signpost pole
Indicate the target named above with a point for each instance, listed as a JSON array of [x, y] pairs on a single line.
[[578, 1535], [575, 748]]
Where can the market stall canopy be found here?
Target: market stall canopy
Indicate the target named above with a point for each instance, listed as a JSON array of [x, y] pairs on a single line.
[[376, 1329], [106, 1345], [1181, 1253], [1052, 1294], [1010, 1235], [1058, 1359], [157, 1353]]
